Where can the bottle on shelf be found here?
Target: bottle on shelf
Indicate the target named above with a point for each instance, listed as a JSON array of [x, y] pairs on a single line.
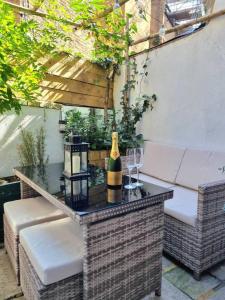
[[114, 170]]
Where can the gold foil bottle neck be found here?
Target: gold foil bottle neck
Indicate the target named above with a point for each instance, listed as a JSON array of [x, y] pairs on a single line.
[[115, 135]]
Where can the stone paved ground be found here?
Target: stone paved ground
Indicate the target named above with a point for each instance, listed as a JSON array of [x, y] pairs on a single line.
[[177, 283]]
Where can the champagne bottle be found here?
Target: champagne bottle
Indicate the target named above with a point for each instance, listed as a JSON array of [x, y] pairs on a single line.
[[114, 172], [114, 195]]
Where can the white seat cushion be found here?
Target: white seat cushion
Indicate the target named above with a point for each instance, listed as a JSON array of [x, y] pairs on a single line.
[[153, 180], [200, 167], [183, 206], [55, 249], [31, 211], [162, 161]]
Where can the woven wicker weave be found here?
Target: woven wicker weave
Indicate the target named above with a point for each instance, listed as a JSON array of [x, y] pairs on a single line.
[[122, 261], [202, 246], [27, 191], [123, 256], [33, 288], [122, 248], [11, 241]]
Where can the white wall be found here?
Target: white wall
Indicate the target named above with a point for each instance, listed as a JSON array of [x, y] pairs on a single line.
[[31, 118], [188, 77], [219, 4]]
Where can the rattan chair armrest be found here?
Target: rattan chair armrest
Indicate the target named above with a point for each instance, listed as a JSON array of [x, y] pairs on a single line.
[[211, 203], [212, 186]]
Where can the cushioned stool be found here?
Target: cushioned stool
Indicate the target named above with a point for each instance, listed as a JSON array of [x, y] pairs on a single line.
[[23, 213], [51, 261]]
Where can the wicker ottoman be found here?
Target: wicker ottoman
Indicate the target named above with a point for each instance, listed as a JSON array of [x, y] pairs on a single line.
[[21, 214], [51, 261]]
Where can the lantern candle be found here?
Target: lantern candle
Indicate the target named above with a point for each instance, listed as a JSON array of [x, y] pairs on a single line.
[[76, 163], [67, 167]]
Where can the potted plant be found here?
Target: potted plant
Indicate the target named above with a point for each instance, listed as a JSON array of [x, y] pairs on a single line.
[[93, 131]]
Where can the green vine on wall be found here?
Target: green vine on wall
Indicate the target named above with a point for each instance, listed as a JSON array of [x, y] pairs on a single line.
[[133, 113]]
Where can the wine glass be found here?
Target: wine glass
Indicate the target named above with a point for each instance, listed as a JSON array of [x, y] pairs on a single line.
[[139, 157], [130, 163]]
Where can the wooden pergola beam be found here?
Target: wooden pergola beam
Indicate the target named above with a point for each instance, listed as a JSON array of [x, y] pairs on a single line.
[[183, 26], [62, 20], [34, 12], [74, 99]]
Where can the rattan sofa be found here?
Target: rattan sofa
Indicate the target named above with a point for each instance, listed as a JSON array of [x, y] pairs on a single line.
[[194, 232]]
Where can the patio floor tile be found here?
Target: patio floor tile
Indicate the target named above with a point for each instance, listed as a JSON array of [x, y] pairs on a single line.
[[8, 286], [167, 264], [169, 292], [219, 271], [218, 295], [177, 283], [184, 281]]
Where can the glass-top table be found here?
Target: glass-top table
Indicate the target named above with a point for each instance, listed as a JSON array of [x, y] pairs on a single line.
[[48, 180], [122, 241]]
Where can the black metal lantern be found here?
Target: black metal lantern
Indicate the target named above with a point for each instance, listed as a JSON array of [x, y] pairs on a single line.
[[62, 126], [75, 157], [62, 183], [62, 123], [76, 191]]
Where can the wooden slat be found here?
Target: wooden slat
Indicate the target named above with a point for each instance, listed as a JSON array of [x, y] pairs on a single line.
[[70, 85], [83, 76], [75, 81], [64, 62], [69, 98], [75, 68]]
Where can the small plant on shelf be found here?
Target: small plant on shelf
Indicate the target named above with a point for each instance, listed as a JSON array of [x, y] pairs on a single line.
[[94, 131]]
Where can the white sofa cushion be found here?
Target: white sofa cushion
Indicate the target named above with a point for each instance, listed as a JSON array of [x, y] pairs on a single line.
[[55, 249], [162, 161], [214, 167], [153, 180], [200, 167], [31, 211], [183, 206]]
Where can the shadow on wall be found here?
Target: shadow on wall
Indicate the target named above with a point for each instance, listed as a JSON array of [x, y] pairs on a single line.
[[30, 118]]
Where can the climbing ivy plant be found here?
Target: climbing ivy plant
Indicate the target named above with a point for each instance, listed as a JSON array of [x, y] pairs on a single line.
[[133, 113]]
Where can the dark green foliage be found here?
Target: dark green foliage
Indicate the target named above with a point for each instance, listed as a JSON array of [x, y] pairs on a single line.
[[94, 131], [91, 128], [126, 126]]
